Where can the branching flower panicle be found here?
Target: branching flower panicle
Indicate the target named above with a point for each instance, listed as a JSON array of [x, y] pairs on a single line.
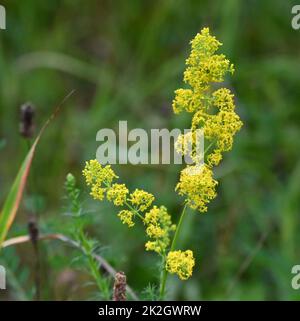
[[157, 221], [213, 112]]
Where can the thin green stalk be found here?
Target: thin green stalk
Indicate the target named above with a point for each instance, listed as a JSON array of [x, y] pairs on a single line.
[[32, 178], [173, 245], [94, 268], [100, 281], [35, 244], [209, 146], [134, 210]]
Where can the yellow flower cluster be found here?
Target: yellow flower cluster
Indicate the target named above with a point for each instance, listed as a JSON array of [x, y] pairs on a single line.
[[157, 221], [126, 217], [198, 185], [141, 200], [180, 263], [99, 178], [159, 227], [117, 194], [203, 67], [213, 112]]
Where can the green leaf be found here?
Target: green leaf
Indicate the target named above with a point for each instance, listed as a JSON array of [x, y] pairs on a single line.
[[14, 197]]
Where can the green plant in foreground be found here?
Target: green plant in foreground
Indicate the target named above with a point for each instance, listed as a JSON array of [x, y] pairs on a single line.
[[86, 244], [213, 111]]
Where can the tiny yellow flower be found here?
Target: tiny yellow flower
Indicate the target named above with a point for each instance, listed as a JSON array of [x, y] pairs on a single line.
[[223, 99], [153, 216], [198, 185], [180, 263], [117, 193], [214, 158], [98, 177], [141, 200], [97, 192], [183, 100], [96, 174], [126, 217], [152, 246], [155, 231], [159, 229]]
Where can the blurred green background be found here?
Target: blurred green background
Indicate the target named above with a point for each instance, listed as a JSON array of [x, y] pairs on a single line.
[[125, 59]]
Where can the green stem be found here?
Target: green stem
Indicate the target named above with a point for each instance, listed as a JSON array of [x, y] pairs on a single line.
[[209, 146], [134, 210], [100, 280], [173, 245], [32, 189]]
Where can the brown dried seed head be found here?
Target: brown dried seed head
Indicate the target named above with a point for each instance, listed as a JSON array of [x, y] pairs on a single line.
[[26, 121], [120, 287], [33, 230]]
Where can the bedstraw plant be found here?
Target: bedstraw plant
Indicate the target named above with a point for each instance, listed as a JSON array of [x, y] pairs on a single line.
[[212, 109]]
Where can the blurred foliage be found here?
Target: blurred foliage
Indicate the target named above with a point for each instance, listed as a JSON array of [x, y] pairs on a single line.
[[125, 59]]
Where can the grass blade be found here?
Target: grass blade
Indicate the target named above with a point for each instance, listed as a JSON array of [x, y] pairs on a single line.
[[14, 197]]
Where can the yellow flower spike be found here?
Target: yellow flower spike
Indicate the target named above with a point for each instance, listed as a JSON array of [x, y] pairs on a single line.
[[203, 45], [180, 263], [203, 68], [213, 112]]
